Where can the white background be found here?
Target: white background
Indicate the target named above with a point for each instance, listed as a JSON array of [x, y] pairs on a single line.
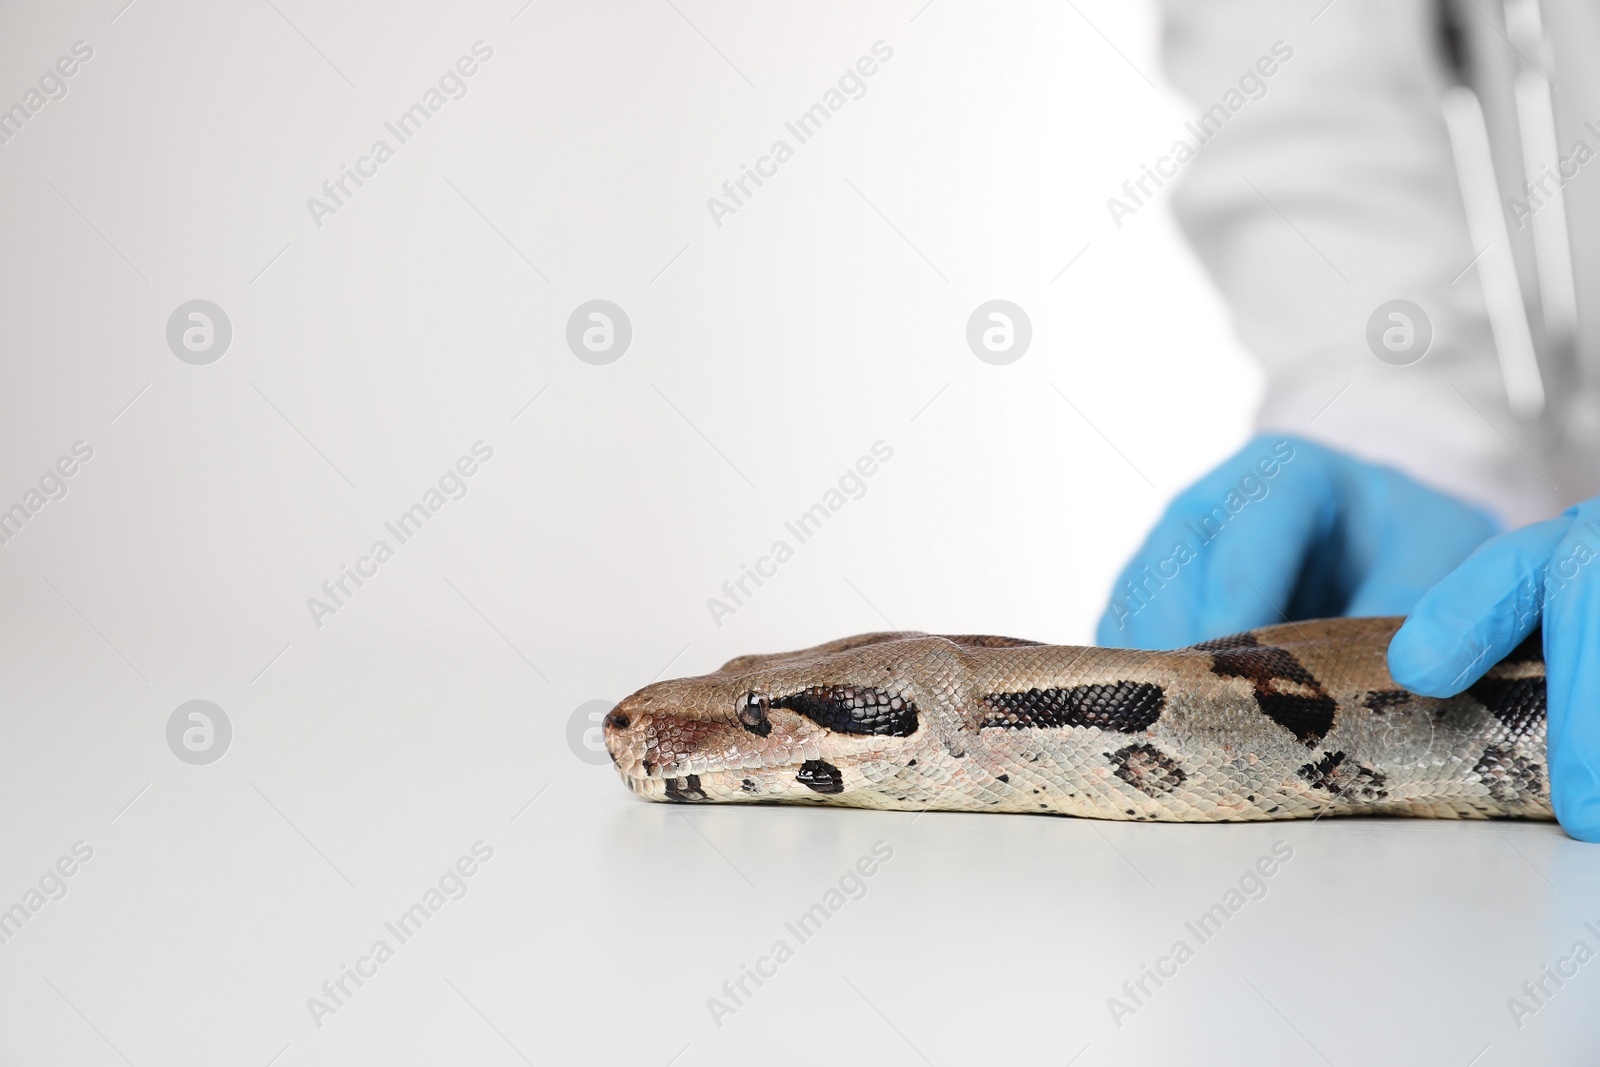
[[768, 354]]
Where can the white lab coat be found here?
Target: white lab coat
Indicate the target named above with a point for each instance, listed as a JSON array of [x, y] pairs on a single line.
[[1336, 191]]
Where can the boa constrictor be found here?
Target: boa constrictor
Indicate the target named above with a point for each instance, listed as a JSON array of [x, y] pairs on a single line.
[[1290, 721]]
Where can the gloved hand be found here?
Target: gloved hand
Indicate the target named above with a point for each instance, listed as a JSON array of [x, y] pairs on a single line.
[[1485, 607], [1289, 528]]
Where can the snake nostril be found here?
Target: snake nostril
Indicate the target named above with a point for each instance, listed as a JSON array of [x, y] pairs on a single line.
[[617, 720]]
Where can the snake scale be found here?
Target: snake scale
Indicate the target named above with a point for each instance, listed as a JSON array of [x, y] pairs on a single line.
[[1289, 721]]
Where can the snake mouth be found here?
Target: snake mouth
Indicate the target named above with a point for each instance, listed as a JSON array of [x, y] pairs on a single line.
[[801, 779], [650, 768], [688, 787]]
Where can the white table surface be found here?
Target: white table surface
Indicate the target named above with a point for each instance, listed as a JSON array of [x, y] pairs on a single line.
[[431, 712], [220, 899]]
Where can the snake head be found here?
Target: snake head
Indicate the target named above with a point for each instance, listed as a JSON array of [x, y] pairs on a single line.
[[853, 720]]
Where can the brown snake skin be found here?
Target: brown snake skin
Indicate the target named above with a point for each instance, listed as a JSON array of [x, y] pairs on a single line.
[[1285, 722]]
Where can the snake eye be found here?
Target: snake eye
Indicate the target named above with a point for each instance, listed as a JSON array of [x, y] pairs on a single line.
[[753, 713]]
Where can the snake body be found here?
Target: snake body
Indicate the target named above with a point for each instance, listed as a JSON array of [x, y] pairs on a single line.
[[1290, 721]]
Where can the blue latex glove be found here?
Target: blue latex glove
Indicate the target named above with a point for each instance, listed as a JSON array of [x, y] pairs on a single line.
[[1548, 572], [1287, 528]]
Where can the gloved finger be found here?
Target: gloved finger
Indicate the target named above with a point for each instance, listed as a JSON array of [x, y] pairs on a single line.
[[1164, 597], [1477, 613], [1572, 673], [1155, 602], [1252, 563], [1424, 536]]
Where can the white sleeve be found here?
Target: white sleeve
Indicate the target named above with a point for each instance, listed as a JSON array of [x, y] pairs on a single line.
[[1329, 193]]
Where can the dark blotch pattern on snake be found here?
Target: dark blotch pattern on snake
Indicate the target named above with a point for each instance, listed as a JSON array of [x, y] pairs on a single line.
[[1291, 721]]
